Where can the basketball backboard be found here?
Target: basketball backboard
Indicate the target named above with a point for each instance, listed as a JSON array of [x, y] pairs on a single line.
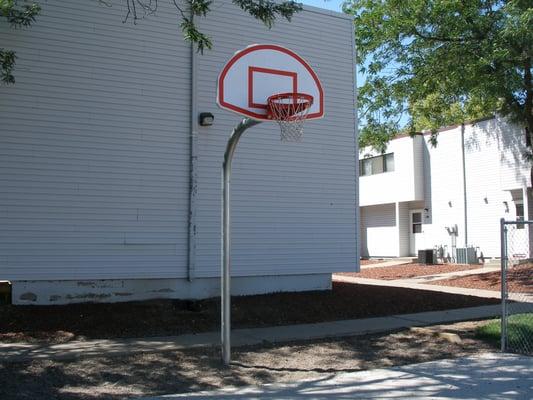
[[259, 71]]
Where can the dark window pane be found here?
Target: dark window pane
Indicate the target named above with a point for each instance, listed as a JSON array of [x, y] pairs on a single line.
[[519, 215], [367, 166], [389, 162], [417, 217], [519, 211], [377, 165], [417, 228]]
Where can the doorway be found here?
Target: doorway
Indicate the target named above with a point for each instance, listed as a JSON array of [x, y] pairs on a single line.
[[416, 232]]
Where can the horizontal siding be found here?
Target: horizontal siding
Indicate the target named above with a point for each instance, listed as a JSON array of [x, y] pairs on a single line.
[[379, 233], [94, 146], [94, 151], [293, 205]]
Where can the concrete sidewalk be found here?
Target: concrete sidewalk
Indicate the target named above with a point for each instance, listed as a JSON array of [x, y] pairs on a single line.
[[16, 352], [390, 262], [451, 275], [486, 376], [410, 284]]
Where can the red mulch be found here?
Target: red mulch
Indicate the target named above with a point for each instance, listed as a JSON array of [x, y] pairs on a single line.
[[520, 280], [405, 271], [167, 317]]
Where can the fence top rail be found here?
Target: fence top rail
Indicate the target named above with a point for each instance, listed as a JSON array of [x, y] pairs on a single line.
[[517, 222]]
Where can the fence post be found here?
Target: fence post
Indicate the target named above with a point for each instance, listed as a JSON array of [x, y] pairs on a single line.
[[503, 260]]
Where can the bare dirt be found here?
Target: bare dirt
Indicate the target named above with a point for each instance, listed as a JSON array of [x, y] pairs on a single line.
[[200, 369], [57, 324], [406, 271], [520, 280]]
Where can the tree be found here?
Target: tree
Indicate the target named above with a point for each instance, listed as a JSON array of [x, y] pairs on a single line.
[[17, 16], [437, 62], [264, 10]]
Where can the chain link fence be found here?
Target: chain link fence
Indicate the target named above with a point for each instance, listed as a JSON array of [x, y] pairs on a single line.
[[517, 286]]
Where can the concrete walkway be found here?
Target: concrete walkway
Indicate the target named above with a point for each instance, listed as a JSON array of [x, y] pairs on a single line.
[[452, 275], [390, 262], [486, 376], [15, 352], [410, 284]]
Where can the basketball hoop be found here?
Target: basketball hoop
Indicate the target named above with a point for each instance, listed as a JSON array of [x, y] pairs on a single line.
[[290, 111], [261, 83]]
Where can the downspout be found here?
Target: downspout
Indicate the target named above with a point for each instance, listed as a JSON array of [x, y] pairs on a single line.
[[465, 202], [193, 170], [357, 226]]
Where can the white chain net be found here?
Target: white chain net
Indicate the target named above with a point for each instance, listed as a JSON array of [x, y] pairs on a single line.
[[290, 111]]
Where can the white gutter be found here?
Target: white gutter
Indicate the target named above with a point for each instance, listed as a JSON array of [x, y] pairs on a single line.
[[356, 154], [465, 200]]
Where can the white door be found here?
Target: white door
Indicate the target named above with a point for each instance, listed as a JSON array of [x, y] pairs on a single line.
[[416, 232]]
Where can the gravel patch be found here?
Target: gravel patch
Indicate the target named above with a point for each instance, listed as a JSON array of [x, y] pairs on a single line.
[[406, 271], [59, 324], [200, 369]]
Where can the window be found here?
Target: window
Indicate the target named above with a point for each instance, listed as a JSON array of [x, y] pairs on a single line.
[[376, 165], [519, 214], [417, 222], [389, 162]]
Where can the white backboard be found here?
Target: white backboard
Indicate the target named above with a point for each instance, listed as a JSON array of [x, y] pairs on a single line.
[[262, 70]]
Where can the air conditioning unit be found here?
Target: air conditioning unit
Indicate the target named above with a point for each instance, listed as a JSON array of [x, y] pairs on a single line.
[[426, 256], [466, 255]]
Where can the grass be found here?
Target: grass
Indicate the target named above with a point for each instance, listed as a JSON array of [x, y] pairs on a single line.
[[520, 331]]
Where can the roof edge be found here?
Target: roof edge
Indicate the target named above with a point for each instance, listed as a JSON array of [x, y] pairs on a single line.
[[445, 128]]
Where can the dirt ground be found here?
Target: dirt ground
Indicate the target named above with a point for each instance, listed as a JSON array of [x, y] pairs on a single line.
[[200, 369], [520, 280], [57, 324], [405, 271]]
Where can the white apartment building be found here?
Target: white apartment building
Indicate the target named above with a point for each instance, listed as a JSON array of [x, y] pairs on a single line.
[[416, 196]]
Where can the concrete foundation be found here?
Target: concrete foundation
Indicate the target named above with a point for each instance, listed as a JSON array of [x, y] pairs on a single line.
[[111, 291]]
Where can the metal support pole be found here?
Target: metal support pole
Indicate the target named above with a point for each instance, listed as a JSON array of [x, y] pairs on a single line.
[[503, 260], [225, 291]]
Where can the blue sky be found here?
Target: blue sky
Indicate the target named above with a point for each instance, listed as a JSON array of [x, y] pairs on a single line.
[[334, 5]]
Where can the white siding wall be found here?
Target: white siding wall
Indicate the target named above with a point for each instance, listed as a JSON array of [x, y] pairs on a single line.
[[404, 226], [379, 232], [445, 180], [484, 190], [293, 204], [403, 184], [94, 146], [94, 150]]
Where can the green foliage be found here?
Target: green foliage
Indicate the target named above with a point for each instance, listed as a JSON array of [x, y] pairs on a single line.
[[18, 15], [23, 14], [264, 10], [7, 63], [439, 62]]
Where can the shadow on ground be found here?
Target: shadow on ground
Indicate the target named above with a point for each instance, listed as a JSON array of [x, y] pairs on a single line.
[[200, 369]]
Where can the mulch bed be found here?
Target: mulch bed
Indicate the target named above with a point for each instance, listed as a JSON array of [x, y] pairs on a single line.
[[520, 280], [166, 317], [405, 271]]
